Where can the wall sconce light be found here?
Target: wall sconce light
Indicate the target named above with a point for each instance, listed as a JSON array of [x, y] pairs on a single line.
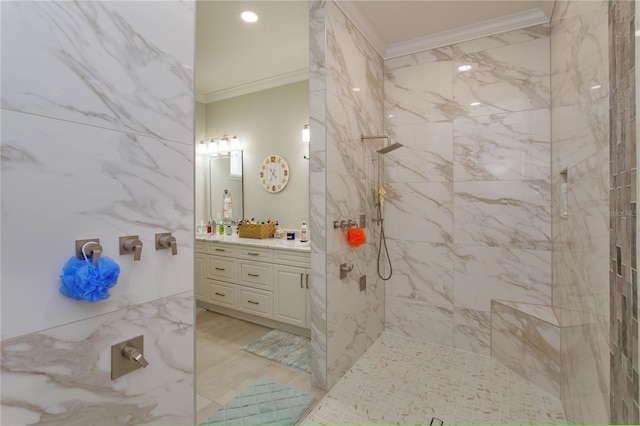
[[234, 144], [213, 148], [218, 146], [202, 148], [223, 146], [306, 137]]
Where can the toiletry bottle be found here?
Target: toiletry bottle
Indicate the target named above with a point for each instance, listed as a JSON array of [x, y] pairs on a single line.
[[278, 232], [221, 228], [228, 229], [304, 232], [209, 228], [201, 228]]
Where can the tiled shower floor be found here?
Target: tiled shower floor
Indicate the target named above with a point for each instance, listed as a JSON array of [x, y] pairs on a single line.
[[401, 380]]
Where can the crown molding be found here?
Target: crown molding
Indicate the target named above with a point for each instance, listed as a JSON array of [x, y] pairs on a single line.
[[363, 24], [255, 86], [515, 21], [200, 98], [486, 28]]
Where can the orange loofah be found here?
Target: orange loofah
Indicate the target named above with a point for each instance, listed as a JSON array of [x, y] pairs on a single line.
[[356, 237]]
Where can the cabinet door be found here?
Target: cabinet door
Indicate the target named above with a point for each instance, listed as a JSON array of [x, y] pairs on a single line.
[[200, 276], [290, 295]]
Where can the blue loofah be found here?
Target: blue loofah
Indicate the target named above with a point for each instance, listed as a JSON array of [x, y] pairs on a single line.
[[81, 280]]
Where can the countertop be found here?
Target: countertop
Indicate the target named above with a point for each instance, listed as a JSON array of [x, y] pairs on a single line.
[[272, 243]]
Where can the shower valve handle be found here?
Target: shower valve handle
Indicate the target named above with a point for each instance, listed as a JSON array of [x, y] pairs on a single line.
[[166, 241]]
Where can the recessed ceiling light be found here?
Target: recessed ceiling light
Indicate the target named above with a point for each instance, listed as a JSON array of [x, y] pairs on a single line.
[[248, 16], [464, 67], [597, 86], [474, 103], [390, 115], [356, 89]]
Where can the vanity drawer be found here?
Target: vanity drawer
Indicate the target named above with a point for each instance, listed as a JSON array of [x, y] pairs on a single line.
[[222, 250], [253, 253], [255, 274], [292, 258], [256, 302], [222, 294], [221, 268], [201, 247]]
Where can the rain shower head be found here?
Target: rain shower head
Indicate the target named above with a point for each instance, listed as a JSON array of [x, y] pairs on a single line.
[[387, 149]]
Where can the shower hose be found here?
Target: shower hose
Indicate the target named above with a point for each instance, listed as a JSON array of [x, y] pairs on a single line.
[[383, 240]]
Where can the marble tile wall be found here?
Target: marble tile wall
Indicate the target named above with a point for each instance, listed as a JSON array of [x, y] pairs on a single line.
[[468, 198], [579, 140], [623, 271], [526, 338], [318, 192], [97, 142], [343, 169]]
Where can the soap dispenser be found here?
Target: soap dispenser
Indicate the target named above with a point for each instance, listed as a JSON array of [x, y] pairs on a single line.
[[304, 233]]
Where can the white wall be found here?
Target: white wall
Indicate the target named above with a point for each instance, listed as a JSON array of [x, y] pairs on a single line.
[[266, 122], [97, 131]]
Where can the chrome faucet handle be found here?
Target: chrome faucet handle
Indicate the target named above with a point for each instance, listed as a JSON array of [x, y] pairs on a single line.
[[131, 353], [131, 244]]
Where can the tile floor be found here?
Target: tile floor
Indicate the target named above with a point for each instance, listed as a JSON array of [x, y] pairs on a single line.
[[223, 370], [401, 380]]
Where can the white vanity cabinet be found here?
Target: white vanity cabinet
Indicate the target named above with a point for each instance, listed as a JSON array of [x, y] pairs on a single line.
[[263, 282]]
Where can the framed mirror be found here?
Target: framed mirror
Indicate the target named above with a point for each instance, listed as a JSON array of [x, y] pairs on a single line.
[[225, 187]]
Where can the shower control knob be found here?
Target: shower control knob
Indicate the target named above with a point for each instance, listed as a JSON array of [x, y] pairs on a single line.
[[131, 353], [166, 241], [131, 244]]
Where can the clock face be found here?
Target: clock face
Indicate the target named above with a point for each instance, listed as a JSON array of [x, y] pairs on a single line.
[[274, 173]]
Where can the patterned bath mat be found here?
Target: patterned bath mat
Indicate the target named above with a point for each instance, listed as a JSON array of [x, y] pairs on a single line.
[[264, 402], [285, 348]]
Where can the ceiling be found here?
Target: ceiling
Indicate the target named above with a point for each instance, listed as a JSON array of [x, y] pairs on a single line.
[[232, 54]]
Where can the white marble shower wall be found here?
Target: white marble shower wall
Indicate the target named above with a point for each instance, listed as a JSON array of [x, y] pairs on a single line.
[[318, 191], [354, 318], [580, 145], [468, 198], [97, 142]]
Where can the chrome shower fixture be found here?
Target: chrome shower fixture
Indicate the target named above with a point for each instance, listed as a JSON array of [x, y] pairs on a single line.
[[387, 149]]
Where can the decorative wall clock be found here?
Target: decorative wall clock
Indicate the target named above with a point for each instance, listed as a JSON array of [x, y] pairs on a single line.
[[274, 173]]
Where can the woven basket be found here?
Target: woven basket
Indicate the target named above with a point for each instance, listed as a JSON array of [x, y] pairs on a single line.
[[248, 230]]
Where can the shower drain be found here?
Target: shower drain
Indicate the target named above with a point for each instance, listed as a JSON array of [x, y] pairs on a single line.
[[436, 421]]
